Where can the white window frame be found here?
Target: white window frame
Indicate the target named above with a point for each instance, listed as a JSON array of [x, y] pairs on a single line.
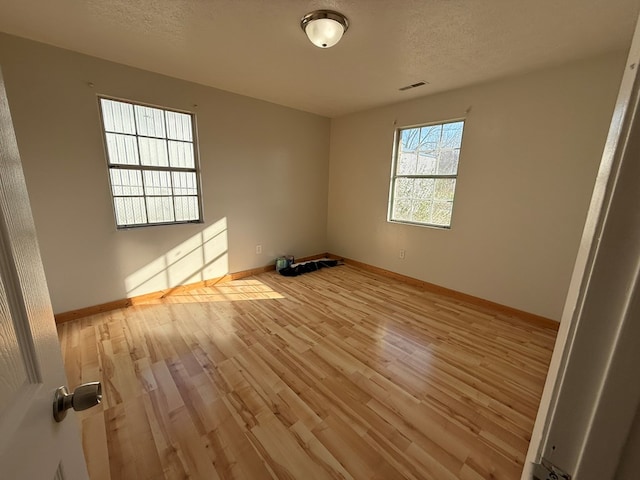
[[152, 168], [395, 176]]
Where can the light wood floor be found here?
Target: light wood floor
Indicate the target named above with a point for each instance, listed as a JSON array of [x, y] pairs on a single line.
[[338, 373]]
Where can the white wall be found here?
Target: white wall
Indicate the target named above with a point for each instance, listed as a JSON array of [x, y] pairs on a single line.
[[264, 177], [530, 153]]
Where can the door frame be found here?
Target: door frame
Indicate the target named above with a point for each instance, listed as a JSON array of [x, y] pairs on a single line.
[[592, 391]]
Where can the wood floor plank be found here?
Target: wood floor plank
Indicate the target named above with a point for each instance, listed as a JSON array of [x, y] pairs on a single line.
[[229, 448], [340, 373], [94, 443], [147, 461], [171, 459], [119, 443]]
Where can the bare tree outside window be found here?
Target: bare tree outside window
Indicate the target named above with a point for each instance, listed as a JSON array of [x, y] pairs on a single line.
[[424, 174]]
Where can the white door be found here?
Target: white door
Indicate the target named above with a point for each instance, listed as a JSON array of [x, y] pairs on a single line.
[[32, 445]]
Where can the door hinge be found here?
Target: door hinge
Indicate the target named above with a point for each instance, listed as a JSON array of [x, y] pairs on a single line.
[[545, 470]]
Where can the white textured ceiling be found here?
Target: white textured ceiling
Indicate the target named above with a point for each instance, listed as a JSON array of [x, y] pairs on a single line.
[[256, 47]]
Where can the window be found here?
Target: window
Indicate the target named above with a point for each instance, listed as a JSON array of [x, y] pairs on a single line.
[[425, 169], [152, 164]]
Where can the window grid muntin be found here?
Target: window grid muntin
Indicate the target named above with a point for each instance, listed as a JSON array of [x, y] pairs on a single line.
[[395, 165], [141, 168]]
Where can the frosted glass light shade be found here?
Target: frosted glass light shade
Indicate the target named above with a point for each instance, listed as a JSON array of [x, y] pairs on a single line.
[[324, 27], [324, 32]]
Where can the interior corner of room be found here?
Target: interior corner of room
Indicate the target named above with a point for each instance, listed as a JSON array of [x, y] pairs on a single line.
[[306, 184]]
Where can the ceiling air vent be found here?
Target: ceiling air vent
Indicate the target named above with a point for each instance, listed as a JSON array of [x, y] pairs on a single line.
[[409, 87]]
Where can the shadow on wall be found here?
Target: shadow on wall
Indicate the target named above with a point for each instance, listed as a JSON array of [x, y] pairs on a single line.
[[202, 257]]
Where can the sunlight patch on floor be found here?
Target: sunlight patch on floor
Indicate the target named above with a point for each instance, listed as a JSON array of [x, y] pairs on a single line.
[[233, 291]]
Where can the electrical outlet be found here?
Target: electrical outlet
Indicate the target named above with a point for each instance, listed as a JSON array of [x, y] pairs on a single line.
[[402, 252], [258, 249]]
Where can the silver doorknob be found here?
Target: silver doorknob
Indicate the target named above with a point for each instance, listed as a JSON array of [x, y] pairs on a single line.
[[85, 396]]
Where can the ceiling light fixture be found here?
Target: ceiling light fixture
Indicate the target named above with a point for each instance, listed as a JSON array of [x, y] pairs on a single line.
[[324, 27]]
